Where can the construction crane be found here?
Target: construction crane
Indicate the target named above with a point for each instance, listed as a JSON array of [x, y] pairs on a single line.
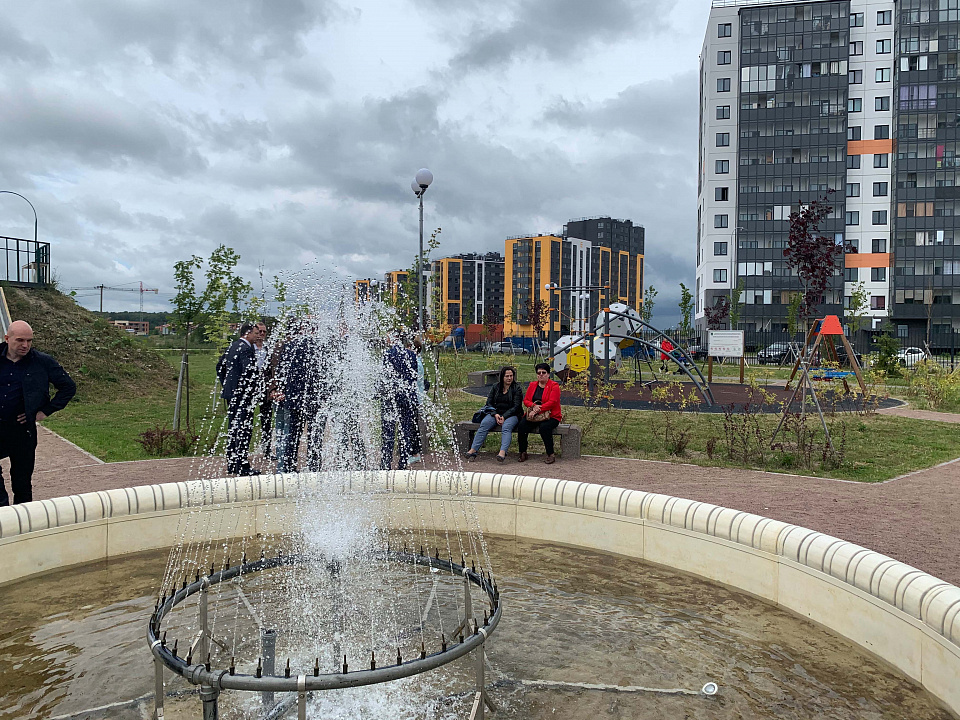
[[101, 288]]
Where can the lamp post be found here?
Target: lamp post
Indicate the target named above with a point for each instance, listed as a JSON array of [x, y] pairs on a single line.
[[419, 186], [552, 287], [11, 192]]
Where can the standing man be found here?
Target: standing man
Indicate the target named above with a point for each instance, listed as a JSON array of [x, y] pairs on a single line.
[[237, 371], [25, 378]]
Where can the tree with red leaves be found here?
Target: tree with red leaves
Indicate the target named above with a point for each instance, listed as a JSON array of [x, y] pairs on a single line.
[[718, 314], [810, 254]]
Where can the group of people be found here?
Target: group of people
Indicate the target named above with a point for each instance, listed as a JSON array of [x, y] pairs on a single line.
[[512, 410]]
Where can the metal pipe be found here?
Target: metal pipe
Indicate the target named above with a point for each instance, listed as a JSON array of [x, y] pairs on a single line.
[[268, 645], [158, 688], [209, 695], [420, 327]]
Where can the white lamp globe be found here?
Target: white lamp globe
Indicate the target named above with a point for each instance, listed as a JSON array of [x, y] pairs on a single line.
[[415, 187], [424, 178]]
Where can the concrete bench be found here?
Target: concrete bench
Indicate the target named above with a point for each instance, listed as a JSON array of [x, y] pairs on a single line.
[[483, 378], [570, 437]]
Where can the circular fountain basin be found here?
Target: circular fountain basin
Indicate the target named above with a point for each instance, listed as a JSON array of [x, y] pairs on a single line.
[[593, 630]]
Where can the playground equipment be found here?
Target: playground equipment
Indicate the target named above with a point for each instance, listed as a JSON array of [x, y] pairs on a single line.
[[616, 326]]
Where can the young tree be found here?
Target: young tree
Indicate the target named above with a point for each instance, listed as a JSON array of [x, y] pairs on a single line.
[[646, 309], [810, 254], [735, 305], [859, 304], [490, 322], [406, 300], [539, 318], [718, 314], [686, 311], [793, 313]]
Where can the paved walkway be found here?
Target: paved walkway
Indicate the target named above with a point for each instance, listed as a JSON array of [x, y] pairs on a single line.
[[915, 518]]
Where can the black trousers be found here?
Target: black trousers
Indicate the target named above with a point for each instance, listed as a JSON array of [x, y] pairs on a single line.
[[544, 427], [398, 414], [19, 443], [239, 432]]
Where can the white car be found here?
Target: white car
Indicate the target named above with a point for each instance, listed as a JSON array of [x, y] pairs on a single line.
[[909, 357]]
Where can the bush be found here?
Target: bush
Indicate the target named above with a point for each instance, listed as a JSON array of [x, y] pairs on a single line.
[[887, 347], [932, 384], [160, 441]]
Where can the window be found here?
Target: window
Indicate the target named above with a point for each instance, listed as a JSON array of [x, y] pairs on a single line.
[[878, 274], [856, 19], [721, 221], [856, 48], [881, 161], [881, 103], [854, 105], [878, 245], [720, 248], [724, 56], [882, 75], [884, 17], [723, 84], [878, 302], [851, 275], [855, 77], [853, 132], [852, 217], [881, 132], [721, 193], [723, 139], [853, 189], [720, 275], [853, 162], [723, 112], [722, 167], [726, 30], [879, 217], [883, 46], [880, 189]]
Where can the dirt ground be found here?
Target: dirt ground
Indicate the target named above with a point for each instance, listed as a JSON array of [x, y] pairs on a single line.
[[914, 518]]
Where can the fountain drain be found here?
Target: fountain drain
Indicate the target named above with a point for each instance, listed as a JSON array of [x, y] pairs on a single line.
[[470, 636]]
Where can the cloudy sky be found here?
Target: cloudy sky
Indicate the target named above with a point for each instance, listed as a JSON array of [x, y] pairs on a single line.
[[145, 131]]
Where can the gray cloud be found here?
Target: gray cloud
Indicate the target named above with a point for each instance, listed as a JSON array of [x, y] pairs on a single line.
[[15, 48]]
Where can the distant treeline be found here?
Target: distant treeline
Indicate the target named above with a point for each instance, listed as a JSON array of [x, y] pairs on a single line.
[[154, 318]]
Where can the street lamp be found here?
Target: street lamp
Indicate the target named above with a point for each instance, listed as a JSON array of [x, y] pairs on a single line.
[[11, 192], [419, 186], [550, 287]]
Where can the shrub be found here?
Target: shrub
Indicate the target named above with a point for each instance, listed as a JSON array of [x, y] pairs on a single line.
[[160, 441]]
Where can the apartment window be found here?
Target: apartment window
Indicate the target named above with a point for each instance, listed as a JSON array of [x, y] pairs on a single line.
[[878, 245], [879, 217], [882, 75], [855, 77], [878, 302], [856, 19], [854, 105], [721, 221], [853, 132], [723, 84], [884, 17], [878, 274], [721, 194], [856, 48], [853, 189], [723, 112], [884, 46], [853, 162], [720, 275], [722, 167], [881, 132], [852, 217], [724, 56], [851, 275], [720, 248], [723, 139], [726, 30], [881, 161], [881, 103], [880, 189]]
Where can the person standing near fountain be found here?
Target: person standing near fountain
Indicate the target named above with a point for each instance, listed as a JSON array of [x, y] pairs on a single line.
[[399, 394], [25, 378], [237, 370], [542, 413]]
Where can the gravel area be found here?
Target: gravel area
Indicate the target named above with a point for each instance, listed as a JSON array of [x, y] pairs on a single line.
[[914, 518]]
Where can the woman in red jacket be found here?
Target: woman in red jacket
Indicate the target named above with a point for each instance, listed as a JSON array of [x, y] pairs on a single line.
[[543, 395]]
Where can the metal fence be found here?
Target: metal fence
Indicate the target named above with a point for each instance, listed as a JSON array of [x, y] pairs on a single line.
[[26, 262]]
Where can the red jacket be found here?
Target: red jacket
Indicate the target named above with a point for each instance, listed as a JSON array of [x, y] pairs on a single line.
[[551, 398]]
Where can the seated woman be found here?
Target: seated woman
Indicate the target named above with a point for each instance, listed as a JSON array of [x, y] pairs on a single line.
[[543, 397], [506, 397]]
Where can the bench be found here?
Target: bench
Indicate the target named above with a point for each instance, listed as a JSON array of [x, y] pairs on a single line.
[[570, 437], [483, 378]]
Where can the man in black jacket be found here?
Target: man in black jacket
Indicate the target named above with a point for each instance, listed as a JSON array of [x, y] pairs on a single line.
[[237, 371], [25, 378]]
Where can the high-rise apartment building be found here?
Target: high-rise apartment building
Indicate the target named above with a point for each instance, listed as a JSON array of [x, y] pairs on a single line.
[[465, 289], [850, 100]]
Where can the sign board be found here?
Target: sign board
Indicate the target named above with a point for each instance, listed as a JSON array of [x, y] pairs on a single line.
[[725, 343]]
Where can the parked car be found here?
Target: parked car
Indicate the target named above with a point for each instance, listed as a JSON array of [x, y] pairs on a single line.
[[474, 347], [506, 347], [842, 357], [910, 356], [697, 352], [775, 353]]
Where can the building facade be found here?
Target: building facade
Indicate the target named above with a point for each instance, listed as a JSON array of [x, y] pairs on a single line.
[[807, 100], [466, 289]]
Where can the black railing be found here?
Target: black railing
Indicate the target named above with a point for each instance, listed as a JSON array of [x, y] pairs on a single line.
[[26, 262]]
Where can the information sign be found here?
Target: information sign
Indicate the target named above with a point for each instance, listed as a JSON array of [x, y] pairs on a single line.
[[725, 343]]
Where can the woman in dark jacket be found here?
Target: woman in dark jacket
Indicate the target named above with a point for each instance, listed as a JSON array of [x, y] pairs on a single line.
[[505, 397]]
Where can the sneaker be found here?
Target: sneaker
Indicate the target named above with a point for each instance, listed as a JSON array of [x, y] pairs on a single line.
[[414, 459]]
